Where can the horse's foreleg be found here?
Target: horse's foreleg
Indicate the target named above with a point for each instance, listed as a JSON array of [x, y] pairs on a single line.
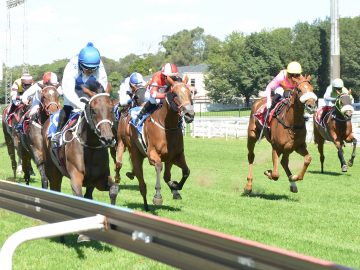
[[344, 167], [353, 154], [274, 174], [181, 163], [285, 164], [307, 160], [158, 200], [89, 193], [169, 182], [137, 161], [251, 141], [113, 190], [11, 150]]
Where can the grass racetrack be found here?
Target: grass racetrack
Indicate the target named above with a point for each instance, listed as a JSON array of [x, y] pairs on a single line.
[[322, 220]]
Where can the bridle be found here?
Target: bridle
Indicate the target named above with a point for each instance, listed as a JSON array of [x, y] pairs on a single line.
[[89, 115], [46, 107]]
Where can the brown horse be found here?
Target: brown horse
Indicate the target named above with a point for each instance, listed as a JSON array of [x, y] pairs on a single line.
[[286, 132], [84, 155], [163, 140], [12, 140], [32, 136], [334, 124]]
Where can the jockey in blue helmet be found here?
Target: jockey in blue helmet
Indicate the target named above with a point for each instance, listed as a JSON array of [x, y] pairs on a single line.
[[82, 68], [129, 86]]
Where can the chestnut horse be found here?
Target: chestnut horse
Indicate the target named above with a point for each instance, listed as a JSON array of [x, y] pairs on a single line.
[[83, 157], [163, 139], [13, 143], [334, 124], [32, 136], [286, 132]]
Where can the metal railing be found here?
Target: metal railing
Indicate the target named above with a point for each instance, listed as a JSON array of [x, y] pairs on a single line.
[[173, 243]]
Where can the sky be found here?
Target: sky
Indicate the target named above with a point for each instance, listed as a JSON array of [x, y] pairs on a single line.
[[59, 29]]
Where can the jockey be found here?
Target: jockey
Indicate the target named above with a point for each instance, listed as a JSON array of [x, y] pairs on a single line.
[[34, 92], [333, 91], [282, 84], [17, 90], [128, 87], [157, 88], [82, 68]]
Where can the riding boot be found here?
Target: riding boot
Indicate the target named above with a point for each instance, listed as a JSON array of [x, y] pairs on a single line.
[[276, 98], [61, 122], [147, 107]]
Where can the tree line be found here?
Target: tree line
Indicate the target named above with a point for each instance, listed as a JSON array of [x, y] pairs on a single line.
[[241, 65]]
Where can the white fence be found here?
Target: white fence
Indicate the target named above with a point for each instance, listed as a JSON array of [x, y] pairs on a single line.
[[236, 127]]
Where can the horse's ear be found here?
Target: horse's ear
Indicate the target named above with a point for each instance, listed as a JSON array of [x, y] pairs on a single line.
[[171, 81], [185, 79], [108, 88], [41, 85], [308, 77], [349, 91], [87, 91], [338, 92]]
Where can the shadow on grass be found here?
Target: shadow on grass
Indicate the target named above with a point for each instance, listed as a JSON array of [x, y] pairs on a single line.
[[270, 197], [153, 209], [126, 186], [326, 173], [19, 180], [70, 241]]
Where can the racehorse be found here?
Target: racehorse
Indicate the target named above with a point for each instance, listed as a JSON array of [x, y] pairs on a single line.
[[31, 138], [163, 140], [12, 140], [83, 157], [334, 124], [285, 130]]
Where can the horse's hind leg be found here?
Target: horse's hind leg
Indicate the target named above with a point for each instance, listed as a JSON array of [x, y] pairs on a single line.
[[251, 141], [353, 154]]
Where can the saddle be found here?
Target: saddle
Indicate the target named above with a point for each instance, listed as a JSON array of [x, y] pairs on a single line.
[[322, 114], [261, 112]]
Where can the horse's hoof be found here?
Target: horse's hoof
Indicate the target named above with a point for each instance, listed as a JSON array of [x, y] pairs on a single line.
[[350, 163], [83, 238], [247, 191], [176, 195], [130, 175], [268, 173], [344, 168], [293, 189], [293, 178], [157, 201]]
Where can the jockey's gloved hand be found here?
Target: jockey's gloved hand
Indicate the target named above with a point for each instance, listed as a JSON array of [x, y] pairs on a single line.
[[81, 106]]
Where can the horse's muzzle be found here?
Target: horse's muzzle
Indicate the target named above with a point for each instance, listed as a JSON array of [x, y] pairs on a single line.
[[310, 108], [188, 113]]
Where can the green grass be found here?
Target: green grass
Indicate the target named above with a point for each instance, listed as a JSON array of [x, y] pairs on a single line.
[[322, 220]]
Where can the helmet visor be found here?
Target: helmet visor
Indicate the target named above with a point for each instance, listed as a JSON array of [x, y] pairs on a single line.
[[85, 68]]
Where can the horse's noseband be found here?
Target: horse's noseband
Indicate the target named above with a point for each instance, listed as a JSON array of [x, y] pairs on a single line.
[[89, 115]]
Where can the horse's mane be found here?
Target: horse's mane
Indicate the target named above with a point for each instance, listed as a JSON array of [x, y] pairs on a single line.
[[94, 86]]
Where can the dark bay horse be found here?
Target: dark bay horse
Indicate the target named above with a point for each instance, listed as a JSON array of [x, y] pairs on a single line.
[[83, 157], [163, 139], [286, 132], [12, 140], [31, 138], [334, 124]]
